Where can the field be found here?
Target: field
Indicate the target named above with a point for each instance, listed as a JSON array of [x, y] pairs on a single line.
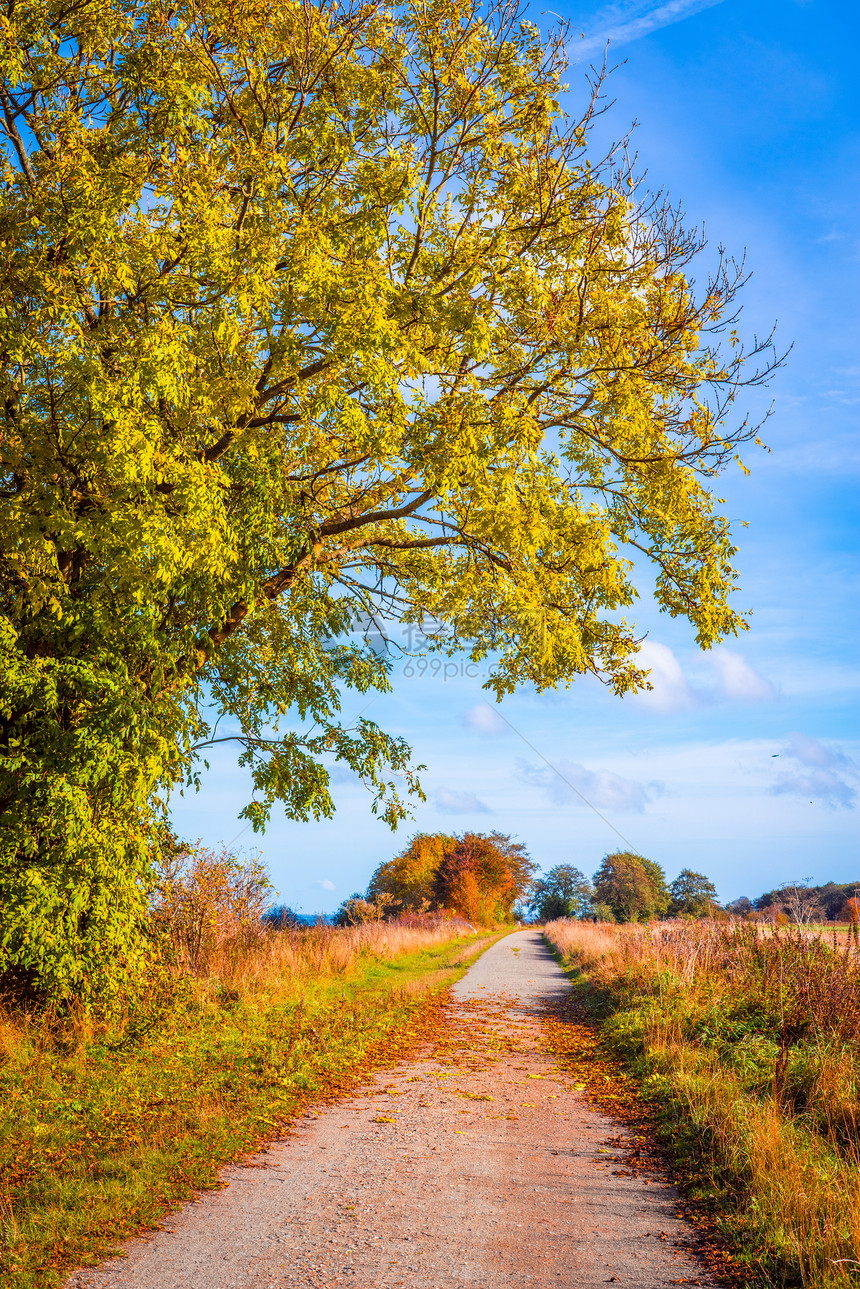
[[750, 1038], [104, 1126]]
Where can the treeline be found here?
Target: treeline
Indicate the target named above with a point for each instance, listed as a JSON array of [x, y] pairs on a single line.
[[630, 888], [489, 878], [627, 887], [802, 903]]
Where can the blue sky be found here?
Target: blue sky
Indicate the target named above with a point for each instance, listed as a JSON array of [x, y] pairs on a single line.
[[743, 763]]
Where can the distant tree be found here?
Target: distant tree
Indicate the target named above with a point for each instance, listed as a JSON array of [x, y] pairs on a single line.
[[742, 907], [479, 875], [633, 887], [850, 911], [693, 895], [280, 917], [803, 903], [564, 892], [832, 897]]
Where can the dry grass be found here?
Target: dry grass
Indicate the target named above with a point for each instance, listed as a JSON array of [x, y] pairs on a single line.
[[210, 909], [297, 955], [752, 1035]]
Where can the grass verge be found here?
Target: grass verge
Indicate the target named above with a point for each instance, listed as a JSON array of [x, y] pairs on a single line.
[[104, 1129], [742, 1047]]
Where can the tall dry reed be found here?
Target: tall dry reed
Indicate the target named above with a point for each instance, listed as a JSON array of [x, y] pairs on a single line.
[[298, 953], [753, 1033]]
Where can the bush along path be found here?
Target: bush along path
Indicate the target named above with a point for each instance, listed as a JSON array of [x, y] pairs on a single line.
[[475, 1161]]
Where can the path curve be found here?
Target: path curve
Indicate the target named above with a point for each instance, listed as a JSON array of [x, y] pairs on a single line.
[[479, 1165]]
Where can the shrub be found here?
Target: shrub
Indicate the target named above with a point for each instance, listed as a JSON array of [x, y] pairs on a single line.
[[356, 910], [210, 903]]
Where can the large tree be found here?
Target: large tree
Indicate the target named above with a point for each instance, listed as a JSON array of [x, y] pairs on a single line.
[[632, 887], [409, 877], [478, 875], [482, 876], [308, 308]]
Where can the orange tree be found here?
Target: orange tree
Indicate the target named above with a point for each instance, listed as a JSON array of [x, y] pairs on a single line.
[[480, 876], [307, 308], [409, 877], [483, 876]]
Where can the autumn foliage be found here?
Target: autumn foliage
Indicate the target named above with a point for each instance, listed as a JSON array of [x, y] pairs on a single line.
[[630, 888], [208, 902], [409, 877], [478, 876]]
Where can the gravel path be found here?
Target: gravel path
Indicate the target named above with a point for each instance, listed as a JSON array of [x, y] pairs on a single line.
[[479, 1165]]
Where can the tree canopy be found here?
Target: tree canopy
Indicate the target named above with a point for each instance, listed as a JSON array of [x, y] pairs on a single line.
[[693, 895], [309, 308], [410, 876], [632, 887], [481, 876]]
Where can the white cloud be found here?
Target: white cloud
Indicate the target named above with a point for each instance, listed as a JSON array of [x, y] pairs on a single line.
[[633, 19], [482, 718], [809, 751], [670, 690], [600, 788], [738, 680], [449, 802], [823, 785], [819, 781], [325, 885]]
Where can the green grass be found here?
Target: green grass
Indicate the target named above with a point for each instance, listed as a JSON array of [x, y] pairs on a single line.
[[103, 1132]]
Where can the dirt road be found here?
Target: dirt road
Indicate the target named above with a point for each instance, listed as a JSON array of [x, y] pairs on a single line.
[[480, 1165]]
